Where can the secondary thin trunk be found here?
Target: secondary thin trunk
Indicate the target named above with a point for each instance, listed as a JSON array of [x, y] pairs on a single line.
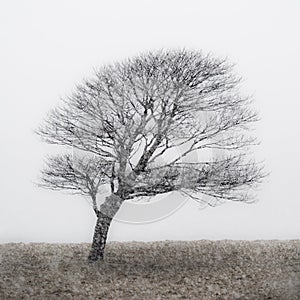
[[107, 211]]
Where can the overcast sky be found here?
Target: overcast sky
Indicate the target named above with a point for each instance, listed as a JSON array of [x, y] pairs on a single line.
[[49, 46]]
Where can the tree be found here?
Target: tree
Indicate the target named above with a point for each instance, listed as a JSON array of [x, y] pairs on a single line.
[[132, 113]]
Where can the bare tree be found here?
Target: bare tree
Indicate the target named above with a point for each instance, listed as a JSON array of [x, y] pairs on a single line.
[[133, 113]]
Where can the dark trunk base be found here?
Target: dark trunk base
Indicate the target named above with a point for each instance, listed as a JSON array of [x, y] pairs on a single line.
[[99, 239], [108, 209]]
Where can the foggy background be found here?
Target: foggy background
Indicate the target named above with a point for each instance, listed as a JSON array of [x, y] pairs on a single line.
[[49, 46]]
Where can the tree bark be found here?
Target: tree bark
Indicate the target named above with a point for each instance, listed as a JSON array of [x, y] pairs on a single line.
[[107, 211]]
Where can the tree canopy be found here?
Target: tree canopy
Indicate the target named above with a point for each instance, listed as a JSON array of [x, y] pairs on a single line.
[[131, 114]]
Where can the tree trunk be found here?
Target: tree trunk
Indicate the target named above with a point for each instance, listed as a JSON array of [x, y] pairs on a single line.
[[100, 236], [107, 211]]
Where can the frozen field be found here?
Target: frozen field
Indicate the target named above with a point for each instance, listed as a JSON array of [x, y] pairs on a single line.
[[158, 270]]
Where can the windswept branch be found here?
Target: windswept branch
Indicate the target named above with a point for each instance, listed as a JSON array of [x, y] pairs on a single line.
[[223, 179], [77, 175]]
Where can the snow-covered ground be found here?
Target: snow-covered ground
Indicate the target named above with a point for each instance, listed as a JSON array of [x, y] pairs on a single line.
[[158, 270]]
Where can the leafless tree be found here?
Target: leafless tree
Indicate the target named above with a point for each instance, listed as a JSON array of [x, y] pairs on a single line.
[[133, 113]]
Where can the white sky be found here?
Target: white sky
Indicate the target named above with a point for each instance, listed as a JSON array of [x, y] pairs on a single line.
[[49, 46]]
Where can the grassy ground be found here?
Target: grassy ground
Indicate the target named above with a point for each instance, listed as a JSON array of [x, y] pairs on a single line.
[[159, 270]]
